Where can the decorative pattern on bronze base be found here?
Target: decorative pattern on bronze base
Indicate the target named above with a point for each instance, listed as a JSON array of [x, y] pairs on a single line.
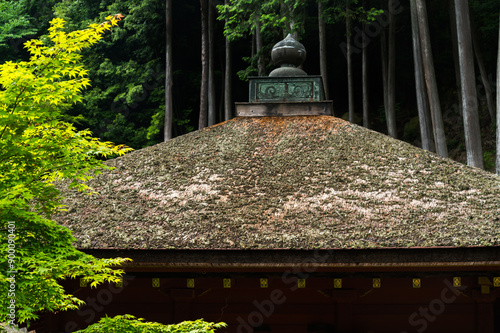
[[286, 89]]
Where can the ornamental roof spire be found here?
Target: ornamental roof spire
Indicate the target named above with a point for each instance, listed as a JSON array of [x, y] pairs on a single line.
[[289, 55]]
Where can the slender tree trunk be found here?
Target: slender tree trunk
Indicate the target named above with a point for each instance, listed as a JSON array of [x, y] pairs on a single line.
[[283, 13], [350, 78], [454, 43], [228, 81], [202, 122], [167, 129], [468, 79], [220, 108], [422, 103], [211, 66], [290, 22], [391, 75], [498, 105], [365, 83], [293, 27], [383, 57], [297, 21], [253, 51], [258, 42], [430, 80], [322, 50], [482, 69]]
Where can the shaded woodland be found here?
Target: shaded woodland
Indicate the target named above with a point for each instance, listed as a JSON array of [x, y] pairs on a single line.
[[212, 49]]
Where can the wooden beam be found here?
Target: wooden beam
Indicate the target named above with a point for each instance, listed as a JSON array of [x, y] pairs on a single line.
[[270, 109]]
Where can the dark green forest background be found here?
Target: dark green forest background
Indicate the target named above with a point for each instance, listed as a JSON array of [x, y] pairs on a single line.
[[126, 102]]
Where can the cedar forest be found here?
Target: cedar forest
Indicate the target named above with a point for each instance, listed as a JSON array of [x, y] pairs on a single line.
[[77, 75], [372, 83]]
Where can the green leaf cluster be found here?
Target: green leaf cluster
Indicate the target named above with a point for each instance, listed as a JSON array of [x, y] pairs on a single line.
[[127, 70], [37, 148], [14, 22], [242, 16], [44, 256], [336, 10], [130, 324]]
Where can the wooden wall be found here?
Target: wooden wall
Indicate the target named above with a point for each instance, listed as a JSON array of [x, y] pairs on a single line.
[[283, 303]]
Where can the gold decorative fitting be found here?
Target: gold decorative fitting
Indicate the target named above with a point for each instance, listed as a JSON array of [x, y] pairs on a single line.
[[83, 283], [337, 283], [226, 283], [496, 281], [485, 284], [301, 283], [417, 283], [485, 289], [156, 282], [190, 283], [377, 283], [484, 280], [264, 283], [457, 281]]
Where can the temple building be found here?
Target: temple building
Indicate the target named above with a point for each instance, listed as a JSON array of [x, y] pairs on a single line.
[[287, 219]]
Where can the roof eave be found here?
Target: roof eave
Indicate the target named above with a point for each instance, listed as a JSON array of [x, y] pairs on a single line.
[[354, 260]]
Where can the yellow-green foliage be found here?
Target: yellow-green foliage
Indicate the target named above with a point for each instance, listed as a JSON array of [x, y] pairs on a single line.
[[130, 324], [37, 147]]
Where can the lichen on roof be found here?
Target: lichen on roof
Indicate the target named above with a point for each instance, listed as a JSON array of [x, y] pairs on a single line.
[[285, 183]]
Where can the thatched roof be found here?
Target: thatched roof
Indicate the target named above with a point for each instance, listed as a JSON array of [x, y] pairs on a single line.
[[313, 182]]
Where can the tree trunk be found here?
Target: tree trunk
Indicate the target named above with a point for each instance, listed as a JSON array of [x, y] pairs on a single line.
[[383, 57], [222, 102], [482, 69], [467, 80], [350, 88], [167, 129], [202, 122], [258, 42], [228, 81], [454, 43], [391, 75], [211, 66], [252, 52], [422, 102], [322, 50], [498, 105], [285, 11], [430, 80], [297, 20], [365, 83]]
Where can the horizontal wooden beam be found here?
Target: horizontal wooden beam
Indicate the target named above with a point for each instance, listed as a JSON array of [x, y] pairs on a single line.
[[337, 260], [281, 109]]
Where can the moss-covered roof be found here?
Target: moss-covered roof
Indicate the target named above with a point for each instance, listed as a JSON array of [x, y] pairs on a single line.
[[285, 183]]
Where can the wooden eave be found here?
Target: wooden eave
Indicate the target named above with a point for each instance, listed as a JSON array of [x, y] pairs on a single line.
[[442, 259]]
